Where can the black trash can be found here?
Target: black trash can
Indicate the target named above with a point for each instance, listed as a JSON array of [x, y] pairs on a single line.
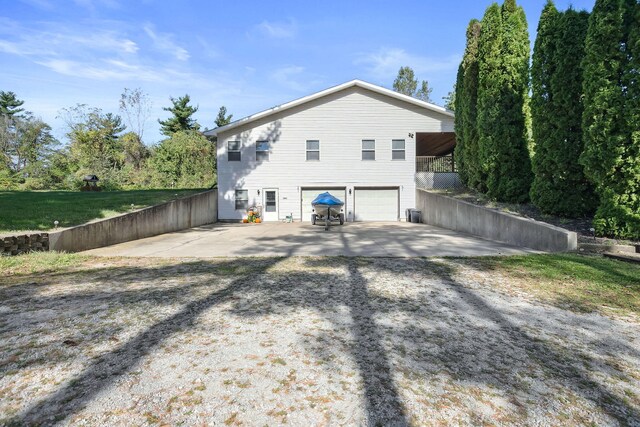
[[416, 216], [407, 213]]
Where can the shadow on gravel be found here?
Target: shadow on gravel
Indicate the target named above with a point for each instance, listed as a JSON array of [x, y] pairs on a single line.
[[487, 337]]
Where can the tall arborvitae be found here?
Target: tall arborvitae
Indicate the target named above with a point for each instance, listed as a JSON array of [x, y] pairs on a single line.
[[610, 155], [470, 150], [489, 90], [560, 186], [510, 177], [542, 108], [458, 125]]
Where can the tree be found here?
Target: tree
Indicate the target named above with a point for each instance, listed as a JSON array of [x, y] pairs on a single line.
[[181, 119], [559, 186], [26, 143], [184, 160], [222, 118], [502, 93], [9, 104], [610, 119], [424, 93], [467, 150], [450, 99], [405, 82], [136, 106], [95, 143]]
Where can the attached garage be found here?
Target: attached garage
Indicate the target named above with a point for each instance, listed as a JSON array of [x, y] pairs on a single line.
[[376, 204], [310, 193]]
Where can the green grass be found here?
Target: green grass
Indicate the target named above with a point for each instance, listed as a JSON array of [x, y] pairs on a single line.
[[582, 283], [37, 210], [39, 262]]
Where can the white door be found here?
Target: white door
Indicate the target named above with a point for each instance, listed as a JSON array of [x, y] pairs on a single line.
[[309, 193], [376, 204], [270, 204]]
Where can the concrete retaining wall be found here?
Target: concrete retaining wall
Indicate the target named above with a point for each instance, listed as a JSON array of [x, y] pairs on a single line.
[[453, 214], [179, 214]]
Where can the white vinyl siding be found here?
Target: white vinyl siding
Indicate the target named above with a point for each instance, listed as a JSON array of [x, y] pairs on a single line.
[[233, 151], [308, 194], [338, 122], [376, 204], [398, 151], [313, 150], [368, 149]]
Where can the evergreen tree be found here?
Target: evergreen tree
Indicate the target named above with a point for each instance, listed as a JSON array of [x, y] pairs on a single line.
[[489, 86], [502, 93], [405, 82], [450, 99], [466, 151], [222, 118], [181, 119], [610, 119], [9, 104], [424, 93], [458, 125], [559, 186]]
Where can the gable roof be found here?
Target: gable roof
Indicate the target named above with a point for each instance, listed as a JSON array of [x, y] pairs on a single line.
[[331, 90]]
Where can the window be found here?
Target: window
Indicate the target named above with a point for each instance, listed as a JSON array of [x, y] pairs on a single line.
[[233, 151], [262, 150], [397, 149], [242, 200], [313, 150], [368, 149]]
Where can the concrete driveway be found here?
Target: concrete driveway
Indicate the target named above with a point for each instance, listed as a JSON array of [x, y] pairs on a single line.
[[381, 239]]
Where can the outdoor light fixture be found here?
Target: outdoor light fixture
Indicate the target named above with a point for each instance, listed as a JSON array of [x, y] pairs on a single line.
[[349, 191], [55, 223], [258, 192]]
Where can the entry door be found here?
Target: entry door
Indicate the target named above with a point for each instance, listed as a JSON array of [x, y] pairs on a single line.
[[270, 203]]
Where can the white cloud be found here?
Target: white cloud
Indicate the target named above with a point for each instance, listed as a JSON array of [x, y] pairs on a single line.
[[384, 63], [291, 77], [164, 42], [278, 30]]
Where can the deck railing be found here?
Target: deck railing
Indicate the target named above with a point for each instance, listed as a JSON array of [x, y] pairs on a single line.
[[435, 164]]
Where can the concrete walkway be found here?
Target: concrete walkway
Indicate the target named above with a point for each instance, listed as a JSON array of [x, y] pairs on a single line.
[[395, 239]]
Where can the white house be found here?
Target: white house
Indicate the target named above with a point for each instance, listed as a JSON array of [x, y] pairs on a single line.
[[365, 144]]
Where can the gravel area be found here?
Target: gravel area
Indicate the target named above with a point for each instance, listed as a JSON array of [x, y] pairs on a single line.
[[304, 341]]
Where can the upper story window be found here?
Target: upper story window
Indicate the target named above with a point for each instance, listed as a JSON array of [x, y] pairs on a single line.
[[313, 150], [368, 149], [397, 149], [262, 150], [233, 151], [242, 199]]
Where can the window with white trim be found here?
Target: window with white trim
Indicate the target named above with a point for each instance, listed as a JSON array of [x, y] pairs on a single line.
[[233, 151], [262, 150], [313, 149], [242, 200], [368, 149], [397, 149]]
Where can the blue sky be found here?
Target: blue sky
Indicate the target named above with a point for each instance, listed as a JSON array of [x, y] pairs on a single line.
[[245, 55]]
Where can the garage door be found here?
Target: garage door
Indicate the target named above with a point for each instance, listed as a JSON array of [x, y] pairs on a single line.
[[309, 193], [376, 204]]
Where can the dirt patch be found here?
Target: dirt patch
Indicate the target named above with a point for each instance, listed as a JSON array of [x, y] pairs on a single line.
[[304, 341]]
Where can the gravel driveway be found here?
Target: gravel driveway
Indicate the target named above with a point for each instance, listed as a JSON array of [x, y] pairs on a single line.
[[304, 341]]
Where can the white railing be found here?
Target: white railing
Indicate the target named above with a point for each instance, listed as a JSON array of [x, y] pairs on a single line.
[[435, 164]]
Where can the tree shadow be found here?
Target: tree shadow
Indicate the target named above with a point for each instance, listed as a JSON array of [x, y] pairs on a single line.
[[256, 288]]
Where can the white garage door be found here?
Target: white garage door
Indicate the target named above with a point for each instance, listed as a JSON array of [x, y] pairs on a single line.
[[376, 204], [308, 194]]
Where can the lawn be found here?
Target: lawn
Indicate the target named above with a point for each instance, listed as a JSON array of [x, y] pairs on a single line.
[[37, 210], [316, 341]]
